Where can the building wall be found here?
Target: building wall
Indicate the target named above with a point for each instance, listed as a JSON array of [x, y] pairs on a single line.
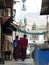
[[0, 36], [4, 44]]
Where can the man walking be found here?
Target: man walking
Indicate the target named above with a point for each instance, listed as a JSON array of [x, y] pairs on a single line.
[[23, 44], [16, 48]]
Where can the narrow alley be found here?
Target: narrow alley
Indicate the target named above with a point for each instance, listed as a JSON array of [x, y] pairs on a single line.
[[19, 62]]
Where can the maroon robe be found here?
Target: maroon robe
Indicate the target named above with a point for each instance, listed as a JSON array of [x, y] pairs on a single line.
[[23, 44], [16, 51]]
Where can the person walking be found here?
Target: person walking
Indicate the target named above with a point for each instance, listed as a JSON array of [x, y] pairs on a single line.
[[16, 48], [23, 44]]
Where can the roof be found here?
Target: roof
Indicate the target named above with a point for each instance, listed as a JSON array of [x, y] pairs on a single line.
[[45, 7], [6, 4]]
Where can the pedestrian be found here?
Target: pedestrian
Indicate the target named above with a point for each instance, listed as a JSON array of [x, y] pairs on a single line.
[[16, 48], [23, 44]]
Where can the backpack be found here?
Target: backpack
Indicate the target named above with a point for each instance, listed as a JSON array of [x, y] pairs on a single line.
[[15, 43]]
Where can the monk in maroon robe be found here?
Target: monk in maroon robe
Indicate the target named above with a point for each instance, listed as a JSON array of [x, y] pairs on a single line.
[[23, 44], [16, 49]]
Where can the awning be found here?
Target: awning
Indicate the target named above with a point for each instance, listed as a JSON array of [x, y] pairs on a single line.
[[33, 32], [45, 7], [7, 28]]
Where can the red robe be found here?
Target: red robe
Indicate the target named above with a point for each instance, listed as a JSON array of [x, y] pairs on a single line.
[[16, 51], [23, 44]]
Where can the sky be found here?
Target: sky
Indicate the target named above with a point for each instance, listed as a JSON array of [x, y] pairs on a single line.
[[33, 8]]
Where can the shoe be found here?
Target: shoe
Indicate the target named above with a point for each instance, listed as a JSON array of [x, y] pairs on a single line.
[[16, 59], [22, 59]]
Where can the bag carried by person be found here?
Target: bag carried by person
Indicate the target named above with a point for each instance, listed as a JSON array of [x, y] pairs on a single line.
[[15, 43]]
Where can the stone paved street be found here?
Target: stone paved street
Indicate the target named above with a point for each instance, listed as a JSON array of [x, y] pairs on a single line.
[[19, 62]]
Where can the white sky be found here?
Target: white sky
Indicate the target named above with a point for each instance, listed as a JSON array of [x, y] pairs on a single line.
[[33, 8], [33, 5]]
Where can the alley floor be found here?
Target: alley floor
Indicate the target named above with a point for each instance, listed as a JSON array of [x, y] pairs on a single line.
[[20, 62]]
